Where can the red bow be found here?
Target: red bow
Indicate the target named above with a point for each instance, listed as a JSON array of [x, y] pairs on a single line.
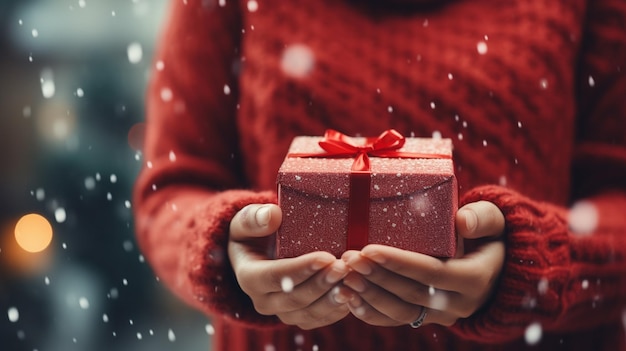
[[338, 145]]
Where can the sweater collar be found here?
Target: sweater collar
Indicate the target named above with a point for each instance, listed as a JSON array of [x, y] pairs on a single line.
[[412, 3]]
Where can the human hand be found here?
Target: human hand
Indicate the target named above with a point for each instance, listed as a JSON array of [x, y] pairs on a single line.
[[394, 284], [303, 291]]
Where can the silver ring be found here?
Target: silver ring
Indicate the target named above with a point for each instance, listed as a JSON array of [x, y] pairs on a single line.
[[420, 320]]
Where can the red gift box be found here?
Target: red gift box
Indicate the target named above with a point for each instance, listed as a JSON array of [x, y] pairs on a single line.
[[339, 193]]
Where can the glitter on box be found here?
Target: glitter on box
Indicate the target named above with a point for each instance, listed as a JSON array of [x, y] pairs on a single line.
[[412, 200]]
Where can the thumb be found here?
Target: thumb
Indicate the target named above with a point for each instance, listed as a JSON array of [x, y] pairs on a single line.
[[255, 221], [479, 219]]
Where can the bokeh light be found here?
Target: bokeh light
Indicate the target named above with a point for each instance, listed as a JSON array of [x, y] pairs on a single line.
[[33, 233]]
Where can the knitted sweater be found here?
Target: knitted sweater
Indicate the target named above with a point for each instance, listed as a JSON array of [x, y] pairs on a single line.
[[531, 92]]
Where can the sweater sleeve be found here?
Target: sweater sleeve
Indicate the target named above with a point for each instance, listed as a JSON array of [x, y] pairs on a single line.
[[559, 274], [191, 184], [565, 268]]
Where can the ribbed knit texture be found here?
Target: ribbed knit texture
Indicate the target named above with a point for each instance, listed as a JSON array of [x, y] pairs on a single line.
[[531, 92]]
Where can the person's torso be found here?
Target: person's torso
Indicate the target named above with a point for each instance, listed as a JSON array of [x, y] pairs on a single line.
[[497, 77]]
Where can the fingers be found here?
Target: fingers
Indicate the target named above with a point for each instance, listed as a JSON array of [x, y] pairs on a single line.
[[388, 306], [425, 269], [458, 275], [397, 291], [389, 291], [377, 306], [256, 220], [301, 290], [326, 310], [258, 276], [299, 296], [321, 300], [250, 230], [479, 219], [361, 309]]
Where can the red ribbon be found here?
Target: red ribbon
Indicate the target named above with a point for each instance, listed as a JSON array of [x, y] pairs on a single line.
[[338, 145]]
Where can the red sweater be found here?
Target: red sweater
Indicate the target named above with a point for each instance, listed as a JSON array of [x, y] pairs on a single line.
[[531, 92]]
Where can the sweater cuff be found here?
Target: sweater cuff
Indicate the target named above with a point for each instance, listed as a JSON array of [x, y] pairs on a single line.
[[535, 268], [212, 278]]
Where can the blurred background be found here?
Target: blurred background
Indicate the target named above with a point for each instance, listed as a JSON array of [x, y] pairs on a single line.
[[72, 81]]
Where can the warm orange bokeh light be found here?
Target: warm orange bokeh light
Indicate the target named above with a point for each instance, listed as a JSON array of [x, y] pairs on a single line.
[[33, 233]]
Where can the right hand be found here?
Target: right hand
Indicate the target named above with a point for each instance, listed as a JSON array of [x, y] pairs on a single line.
[[305, 291]]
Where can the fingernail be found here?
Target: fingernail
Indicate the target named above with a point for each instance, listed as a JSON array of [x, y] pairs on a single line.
[[361, 267], [376, 257], [262, 216], [335, 275], [355, 302], [355, 284], [359, 311], [319, 264], [470, 220], [339, 297]]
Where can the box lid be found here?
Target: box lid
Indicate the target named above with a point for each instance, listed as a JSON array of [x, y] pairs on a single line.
[[391, 177]]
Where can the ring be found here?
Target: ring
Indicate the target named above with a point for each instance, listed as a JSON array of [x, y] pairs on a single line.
[[420, 320]]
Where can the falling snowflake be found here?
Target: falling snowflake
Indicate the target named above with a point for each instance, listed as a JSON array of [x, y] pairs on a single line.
[[533, 334], [583, 218], [591, 81], [299, 339], [166, 94], [209, 329], [481, 47], [48, 88], [134, 52], [542, 286], [253, 5], [14, 314], [83, 303], [286, 284], [90, 183], [502, 180], [60, 215], [438, 300], [297, 61]]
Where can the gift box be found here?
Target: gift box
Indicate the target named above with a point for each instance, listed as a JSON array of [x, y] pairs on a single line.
[[339, 193]]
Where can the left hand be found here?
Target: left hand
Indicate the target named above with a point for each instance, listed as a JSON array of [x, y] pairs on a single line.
[[393, 284]]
